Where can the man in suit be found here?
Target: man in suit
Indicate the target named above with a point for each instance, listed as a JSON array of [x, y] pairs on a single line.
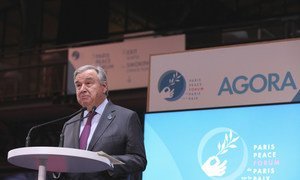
[[113, 129]]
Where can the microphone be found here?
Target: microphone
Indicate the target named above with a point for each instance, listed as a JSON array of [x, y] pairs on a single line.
[[50, 122], [62, 136]]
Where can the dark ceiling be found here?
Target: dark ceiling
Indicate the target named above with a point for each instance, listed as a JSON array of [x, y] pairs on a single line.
[[47, 23]]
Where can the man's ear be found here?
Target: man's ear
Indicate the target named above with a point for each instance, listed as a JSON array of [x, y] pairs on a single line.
[[105, 88]]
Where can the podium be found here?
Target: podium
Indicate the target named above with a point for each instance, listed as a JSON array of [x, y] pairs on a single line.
[[58, 159]]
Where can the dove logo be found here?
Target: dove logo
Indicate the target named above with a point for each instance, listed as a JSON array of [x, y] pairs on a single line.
[[171, 85], [222, 154]]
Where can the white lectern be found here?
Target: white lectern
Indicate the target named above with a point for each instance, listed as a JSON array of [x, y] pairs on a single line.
[[58, 159]]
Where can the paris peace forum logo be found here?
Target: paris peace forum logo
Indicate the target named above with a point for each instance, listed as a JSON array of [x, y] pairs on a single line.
[[222, 154], [171, 85]]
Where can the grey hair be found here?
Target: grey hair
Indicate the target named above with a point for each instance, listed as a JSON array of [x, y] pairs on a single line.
[[101, 74]]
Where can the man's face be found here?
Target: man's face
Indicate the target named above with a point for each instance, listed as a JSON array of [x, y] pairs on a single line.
[[89, 91]]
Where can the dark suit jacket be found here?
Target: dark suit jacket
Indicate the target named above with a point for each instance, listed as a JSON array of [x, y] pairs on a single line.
[[119, 133]]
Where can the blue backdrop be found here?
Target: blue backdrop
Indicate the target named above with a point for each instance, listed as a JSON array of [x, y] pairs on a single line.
[[250, 143]]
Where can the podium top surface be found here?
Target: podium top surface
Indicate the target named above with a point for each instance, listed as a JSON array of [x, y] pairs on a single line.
[[58, 159]]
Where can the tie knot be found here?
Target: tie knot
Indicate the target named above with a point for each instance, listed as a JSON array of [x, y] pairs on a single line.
[[91, 114]]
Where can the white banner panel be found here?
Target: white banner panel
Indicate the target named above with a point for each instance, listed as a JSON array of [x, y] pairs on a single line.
[[225, 76], [126, 63]]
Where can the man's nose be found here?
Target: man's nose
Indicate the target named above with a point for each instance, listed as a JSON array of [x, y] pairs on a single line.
[[82, 88]]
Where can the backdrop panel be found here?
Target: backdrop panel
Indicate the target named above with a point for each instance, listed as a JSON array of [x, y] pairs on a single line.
[[126, 63], [246, 143], [225, 76]]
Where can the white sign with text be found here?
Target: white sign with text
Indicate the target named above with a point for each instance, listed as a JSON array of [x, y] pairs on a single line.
[[126, 63], [255, 73]]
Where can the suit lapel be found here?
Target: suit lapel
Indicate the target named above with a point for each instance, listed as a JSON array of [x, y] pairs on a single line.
[[106, 118], [76, 134], [76, 130]]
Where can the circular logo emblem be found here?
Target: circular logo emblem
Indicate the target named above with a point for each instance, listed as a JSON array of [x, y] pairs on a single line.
[[75, 55], [171, 85], [222, 154]]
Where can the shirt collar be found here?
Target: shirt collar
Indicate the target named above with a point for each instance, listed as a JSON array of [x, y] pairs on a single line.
[[100, 108]]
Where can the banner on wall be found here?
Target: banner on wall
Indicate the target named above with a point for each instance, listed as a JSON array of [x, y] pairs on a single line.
[[126, 63], [257, 73]]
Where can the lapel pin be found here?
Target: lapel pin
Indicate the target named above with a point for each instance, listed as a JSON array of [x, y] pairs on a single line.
[[109, 117]]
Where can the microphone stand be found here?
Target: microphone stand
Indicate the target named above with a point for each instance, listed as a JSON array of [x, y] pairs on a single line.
[[50, 122], [62, 136]]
